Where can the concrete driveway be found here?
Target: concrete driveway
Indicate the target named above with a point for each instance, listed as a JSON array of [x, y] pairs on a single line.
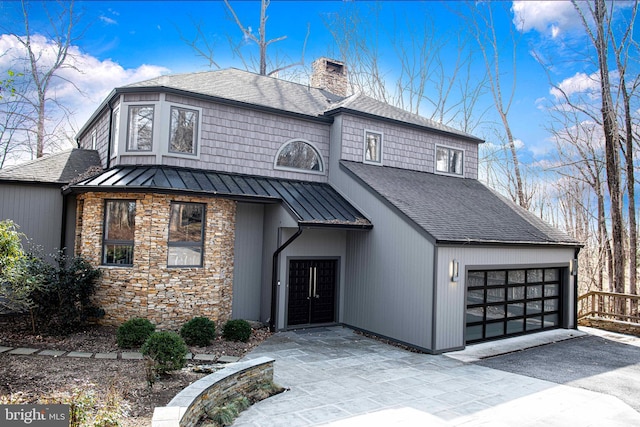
[[338, 378]]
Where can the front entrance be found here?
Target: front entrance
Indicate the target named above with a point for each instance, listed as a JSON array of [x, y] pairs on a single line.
[[312, 291]]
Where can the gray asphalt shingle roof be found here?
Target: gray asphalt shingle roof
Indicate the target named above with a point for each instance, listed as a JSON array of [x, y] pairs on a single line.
[[269, 92], [312, 203], [59, 168], [456, 210]]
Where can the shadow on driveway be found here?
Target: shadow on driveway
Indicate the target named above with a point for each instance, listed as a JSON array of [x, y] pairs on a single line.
[[590, 362]]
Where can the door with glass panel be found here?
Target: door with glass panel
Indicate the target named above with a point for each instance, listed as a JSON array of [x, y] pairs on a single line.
[[312, 291], [511, 302]]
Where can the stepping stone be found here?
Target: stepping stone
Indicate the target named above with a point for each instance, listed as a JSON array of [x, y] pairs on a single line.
[[23, 350], [189, 356], [209, 357], [3, 349], [228, 359], [54, 353], [82, 354], [106, 355], [131, 355]]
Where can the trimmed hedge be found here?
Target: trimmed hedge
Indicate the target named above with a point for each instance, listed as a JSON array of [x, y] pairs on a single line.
[[134, 332], [167, 350], [237, 330], [198, 331]]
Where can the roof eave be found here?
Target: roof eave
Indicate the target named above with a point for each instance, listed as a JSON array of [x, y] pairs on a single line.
[[469, 242]]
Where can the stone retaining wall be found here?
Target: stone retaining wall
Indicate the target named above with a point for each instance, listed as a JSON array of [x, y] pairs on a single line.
[[168, 297], [189, 406], [611, 325]]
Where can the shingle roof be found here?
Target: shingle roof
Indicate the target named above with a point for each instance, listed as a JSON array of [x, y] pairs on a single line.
[[456, 210], [59, 168], [253, 89], [312, 203], [249, 88]]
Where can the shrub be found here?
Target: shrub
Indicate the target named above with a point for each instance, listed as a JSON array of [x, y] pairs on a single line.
[[63, 303], [237, 330], [166, 349], [134, 332], [198, 331]]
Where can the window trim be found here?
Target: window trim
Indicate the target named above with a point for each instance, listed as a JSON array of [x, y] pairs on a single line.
[[380, 148], [292, 169], [94, 139], [106, 241], [115, 130], [183, 244], [449, 149], [128, 149], [196, 133]]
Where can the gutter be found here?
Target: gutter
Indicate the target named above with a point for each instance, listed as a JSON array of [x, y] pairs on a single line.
[[274, 278], [109, 134], [575, 291]]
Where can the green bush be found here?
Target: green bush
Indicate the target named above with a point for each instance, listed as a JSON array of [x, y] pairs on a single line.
[[63, 303], [167, 350], [198, 331], [134, 332], [237, 330]]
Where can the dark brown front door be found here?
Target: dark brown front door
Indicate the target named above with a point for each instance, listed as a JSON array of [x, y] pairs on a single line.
[[312, 291]]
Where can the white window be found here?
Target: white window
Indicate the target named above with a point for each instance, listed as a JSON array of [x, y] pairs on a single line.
[[449, 160], [140, 129], [115, 131], [372, 147], [94, 139], [183, 131], [299, 155]]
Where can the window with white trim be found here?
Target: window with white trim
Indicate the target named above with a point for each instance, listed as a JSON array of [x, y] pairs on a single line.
[[372, 147], [94, 139], [449, 160], [183, 131], [115, 131], [186, 235], [118, 236], [140, 128], [299, 155]]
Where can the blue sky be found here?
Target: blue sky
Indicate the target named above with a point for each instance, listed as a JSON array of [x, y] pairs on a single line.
[[126, 41]]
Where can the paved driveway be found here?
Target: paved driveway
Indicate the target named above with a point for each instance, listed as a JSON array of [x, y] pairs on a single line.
[[608, 363], [340, 379]]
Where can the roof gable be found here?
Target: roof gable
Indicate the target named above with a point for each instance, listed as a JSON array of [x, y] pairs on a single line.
[[456, 210]]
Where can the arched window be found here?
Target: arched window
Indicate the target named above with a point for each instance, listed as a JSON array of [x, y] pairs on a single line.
[[299, 155]]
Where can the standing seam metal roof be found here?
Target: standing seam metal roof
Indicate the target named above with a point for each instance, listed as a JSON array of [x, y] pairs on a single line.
[[312, 203]]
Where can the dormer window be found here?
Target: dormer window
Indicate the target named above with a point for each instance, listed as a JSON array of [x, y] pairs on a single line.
[[372, 147], [140, 129], [183, 131], [449, 160], [299, 154]]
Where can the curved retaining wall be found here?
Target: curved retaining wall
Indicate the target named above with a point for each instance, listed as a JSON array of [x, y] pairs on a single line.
[[189, 406]]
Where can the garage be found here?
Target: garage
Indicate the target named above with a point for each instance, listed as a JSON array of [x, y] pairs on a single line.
[[503, 303]]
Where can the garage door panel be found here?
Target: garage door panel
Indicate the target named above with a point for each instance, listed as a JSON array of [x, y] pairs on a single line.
[[510, 302]]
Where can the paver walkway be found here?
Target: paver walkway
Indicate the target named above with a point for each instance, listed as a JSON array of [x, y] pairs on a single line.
[[340, 379], [124, 355]]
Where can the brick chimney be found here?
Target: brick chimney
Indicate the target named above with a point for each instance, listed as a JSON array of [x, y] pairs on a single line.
[[330, 75]]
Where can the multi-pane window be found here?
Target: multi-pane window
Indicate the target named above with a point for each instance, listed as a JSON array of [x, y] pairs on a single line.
[[449, 160], [140, 129], [510, 302], [186, 235], [183, 130], [119, 226], [299, 155], [372, 147]]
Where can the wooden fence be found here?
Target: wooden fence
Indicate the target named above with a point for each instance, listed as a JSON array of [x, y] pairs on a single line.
[[609, 305]]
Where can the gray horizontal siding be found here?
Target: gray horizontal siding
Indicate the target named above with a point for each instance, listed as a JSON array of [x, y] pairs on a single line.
[[37, 210]]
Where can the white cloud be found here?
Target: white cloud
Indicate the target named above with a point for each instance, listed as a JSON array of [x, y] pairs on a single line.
[[81, 84], [547, 17], [578, 83], [108, 21]]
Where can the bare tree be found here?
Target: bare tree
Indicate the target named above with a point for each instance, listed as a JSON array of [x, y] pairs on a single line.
[[40, 69]]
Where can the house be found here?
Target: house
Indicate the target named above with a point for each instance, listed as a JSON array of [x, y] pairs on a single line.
[[233, 195], [31, 196]]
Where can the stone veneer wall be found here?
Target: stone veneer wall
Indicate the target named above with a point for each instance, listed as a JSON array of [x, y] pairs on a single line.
[[166, 296]]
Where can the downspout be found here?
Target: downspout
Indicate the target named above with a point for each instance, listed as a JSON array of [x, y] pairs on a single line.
[[64, 223], [274, 278]]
